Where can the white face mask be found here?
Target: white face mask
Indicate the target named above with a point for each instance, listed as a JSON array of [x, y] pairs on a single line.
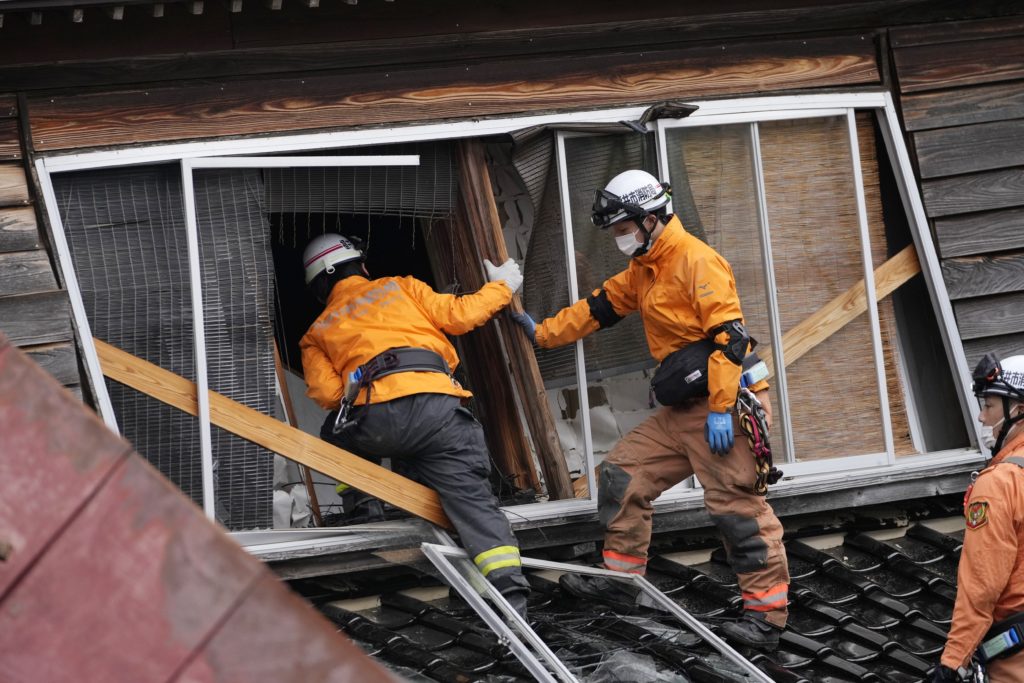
[[988, 434], [627, 244]]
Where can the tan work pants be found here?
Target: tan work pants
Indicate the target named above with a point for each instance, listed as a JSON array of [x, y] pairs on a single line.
[[1009, 670], [659, 453]]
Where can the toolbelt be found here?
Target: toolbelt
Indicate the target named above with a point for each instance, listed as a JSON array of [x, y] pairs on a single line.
[[683, 375], [1004, 639], [390, 362]]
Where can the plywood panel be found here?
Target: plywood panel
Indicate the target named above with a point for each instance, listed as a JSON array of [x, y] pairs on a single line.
[[241, 108], [38, 318], [996, 102], [13, 188], [989, 316], [952, 65], [22, 272], [60, 360], [10, 142], [981, 275], [977, 192], [965, 149], [978, 233], [18, 231]]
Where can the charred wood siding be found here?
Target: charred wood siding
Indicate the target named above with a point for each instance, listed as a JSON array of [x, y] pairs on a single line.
[[962, 96], [34, 312]]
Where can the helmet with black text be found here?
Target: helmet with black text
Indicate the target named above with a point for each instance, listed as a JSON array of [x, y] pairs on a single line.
[[326, 252], [1004, 379], [631, 195]]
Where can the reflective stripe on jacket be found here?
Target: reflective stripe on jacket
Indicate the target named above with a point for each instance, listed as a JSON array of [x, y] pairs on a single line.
[[683, 289], [366, 317], [990, 579]]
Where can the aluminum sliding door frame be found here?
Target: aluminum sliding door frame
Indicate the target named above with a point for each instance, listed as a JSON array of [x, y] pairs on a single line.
[[869, 285], [903, 170], [574, 295]]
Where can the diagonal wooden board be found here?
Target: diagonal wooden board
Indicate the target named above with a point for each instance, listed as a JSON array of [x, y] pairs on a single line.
[[829, 319], [273, 435]]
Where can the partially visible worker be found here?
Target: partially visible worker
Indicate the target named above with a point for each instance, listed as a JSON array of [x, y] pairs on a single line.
[[988, 617], [686, 295], [379, 360]]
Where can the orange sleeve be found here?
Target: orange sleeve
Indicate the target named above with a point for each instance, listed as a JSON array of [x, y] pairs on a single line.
[[986, 563], [324, 384], [716, 302], [576, 321], [458, 314]]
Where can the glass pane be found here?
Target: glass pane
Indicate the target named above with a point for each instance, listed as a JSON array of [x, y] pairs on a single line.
[[816, 249], [714, 192]]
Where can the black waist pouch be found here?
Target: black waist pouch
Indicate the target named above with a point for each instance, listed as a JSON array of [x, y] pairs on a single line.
[[683, 374]]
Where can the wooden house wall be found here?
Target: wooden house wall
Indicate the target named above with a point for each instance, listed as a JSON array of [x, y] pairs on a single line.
[[962, 96], [34, 311]]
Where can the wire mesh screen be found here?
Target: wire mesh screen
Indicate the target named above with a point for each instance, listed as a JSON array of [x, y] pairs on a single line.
[[238, 284], [126, 233]]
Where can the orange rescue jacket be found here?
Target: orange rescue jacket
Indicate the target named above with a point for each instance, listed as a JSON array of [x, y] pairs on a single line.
[[364, 318], [990, 579], [683, 289]]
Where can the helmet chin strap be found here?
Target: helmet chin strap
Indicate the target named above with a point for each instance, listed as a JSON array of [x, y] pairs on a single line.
[[1008, 424], [647, 237]]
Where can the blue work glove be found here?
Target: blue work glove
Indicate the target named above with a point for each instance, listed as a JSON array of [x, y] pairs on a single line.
[[718, 432], [943, 674], [523, 319]]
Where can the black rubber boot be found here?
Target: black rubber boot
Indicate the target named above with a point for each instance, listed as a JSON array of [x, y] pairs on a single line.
[[752, 630], [601, 589], [518, 601]]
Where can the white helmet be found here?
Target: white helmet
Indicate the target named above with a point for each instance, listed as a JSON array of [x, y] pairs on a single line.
[[1005, 379], [327, 251], [631, 194]]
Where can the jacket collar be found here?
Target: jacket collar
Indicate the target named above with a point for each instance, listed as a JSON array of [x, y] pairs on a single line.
[[669, 241], [338, 289], [1014, 447]]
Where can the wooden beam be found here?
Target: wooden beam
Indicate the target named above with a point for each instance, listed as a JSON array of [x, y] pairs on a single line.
[[482, 210], [289, 412], [834, 315], [273, 435]]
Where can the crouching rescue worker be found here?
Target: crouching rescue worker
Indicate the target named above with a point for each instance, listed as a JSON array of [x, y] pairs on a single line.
[[988, 617], [687, 298], [379, 360]]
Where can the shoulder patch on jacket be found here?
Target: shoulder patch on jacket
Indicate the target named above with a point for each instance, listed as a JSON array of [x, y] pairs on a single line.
[[976, 514]]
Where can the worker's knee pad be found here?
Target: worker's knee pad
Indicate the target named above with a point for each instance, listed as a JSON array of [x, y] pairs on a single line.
[[746, 549], [611, 489]]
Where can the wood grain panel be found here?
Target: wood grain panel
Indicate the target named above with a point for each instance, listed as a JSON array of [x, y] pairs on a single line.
[[10, 141], [990, 316], [1003, 345], [979, 276], [965, 149], [451, 93], [18, 231], [963, 106], [952, 65], [978, 233], [22, 272], [60, 360], [977, 192], [13, 188], [952, 31], [39, 318], [8, 106]]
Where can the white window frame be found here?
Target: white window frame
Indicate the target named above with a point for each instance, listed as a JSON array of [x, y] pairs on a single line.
[[197, 154]]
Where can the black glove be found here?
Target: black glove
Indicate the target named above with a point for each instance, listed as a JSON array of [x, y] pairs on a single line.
[[943, 674]]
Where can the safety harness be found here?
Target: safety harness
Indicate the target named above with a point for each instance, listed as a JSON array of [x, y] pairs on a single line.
[[754, 424], [390, 362]]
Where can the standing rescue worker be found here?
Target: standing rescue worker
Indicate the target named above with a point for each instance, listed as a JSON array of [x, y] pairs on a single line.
[[685, 293], [988, 617], [379, 360]]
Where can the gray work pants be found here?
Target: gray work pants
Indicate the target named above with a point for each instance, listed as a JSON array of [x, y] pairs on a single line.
[[433, 440]]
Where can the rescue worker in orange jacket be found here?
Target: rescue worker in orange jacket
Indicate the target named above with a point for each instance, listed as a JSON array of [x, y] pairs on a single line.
[[685, 293], [379, 360], [988, 617]]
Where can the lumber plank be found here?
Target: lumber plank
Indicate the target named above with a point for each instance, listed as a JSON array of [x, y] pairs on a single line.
[[10, 140], [834, 315], [273, 435], [482, 212], [339, 100], [976, 192], [963, 106], [945, 31], [952, 65], [53, 451], [1003, 345], [39, 318], [22, 272], [18, 231], [60, 360], [982, 275], [289, 411], [979, 233], [966, 149], [13, 188], [990, 315]]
